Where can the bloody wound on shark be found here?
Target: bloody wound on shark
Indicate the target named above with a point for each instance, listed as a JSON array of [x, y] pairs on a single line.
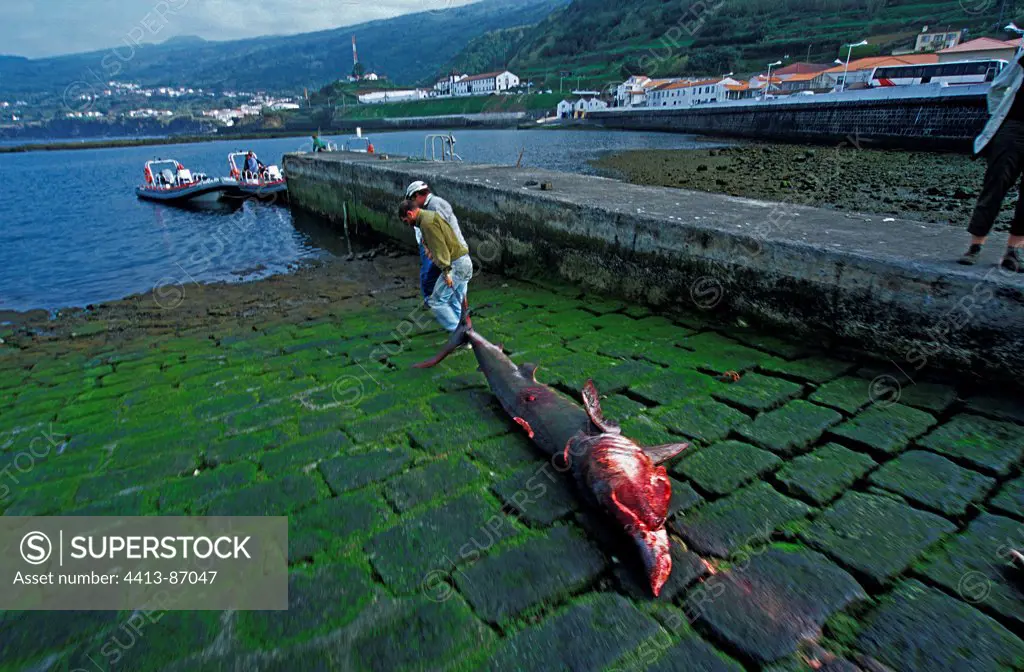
[[614, 474]]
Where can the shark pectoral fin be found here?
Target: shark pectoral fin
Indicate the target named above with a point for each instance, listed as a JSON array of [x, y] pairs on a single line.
[[525, 425], [529, 371], [659, 454], [592, 402]]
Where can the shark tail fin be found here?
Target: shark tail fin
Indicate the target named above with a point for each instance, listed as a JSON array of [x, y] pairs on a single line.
[[459, 337]]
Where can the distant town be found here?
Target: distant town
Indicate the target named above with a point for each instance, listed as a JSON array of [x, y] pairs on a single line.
[[936, 57]]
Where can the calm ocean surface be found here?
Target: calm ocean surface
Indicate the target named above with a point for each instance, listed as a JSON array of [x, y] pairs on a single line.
[[75, 233]]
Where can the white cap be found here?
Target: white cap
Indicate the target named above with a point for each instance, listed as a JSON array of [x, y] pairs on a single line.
[[415, 187]]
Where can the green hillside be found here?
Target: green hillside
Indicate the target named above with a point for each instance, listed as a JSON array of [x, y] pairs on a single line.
[[602, 41], [491, 51], [407, 49]]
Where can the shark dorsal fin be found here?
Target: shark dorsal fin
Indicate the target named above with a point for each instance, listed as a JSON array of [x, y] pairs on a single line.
[[529, 371], [592, 402], [665, 452]]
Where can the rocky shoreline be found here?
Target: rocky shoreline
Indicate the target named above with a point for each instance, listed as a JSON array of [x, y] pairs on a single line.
[[932, 187]]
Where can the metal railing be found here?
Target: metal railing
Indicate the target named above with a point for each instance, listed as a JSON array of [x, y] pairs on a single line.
[[447, 147]]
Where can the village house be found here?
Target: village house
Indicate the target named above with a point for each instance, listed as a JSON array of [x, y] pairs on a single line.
[[443, 87], [485, 84], [574, 109], [690, 93], [936, 41], [631, 92], [798, 76], [981, 49]]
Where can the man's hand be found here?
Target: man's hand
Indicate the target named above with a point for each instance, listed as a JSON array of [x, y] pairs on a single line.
[[426, 251], [448, 281]]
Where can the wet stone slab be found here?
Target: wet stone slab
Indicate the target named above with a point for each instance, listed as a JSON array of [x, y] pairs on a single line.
[[989, 445], [919, 629], [507, 452], [591, 634], [885, 430], [700, 419], [823, 475], [718, 354], [976, 566], [623, 376], [418, 633], [193, 493], [270, 498], [817, 370], [933, 482], [336, 521], [618, 407], [766, 607], [791, 429], [930, 397], [744, 518], [503, 584], [724, 467], [757, 393], [305, 452], [848, 394], [540, 494], [436, 540], [438, 480], [674, 386], [332, 595], [647, 431], [1010, 499], [875, 536], [351, 472], [29, 634], [694, 654], [684, 497], [181, 633]]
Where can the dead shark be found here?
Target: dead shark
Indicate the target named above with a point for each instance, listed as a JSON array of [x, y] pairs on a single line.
[[615, 474]]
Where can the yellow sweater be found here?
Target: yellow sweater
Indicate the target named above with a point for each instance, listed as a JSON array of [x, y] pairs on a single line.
[[440, 239]]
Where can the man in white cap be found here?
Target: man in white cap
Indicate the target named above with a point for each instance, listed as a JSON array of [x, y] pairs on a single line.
[[419, 193]]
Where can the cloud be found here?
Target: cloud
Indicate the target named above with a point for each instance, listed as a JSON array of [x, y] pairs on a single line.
[[38, 29]]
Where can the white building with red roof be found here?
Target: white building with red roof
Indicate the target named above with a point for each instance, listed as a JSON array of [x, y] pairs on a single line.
[[486, 83]]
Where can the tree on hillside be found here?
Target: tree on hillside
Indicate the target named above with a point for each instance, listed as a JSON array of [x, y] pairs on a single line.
[[712, 61]]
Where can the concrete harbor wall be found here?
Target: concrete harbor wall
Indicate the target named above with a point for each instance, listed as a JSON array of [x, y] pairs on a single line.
[[932, 119], [482, 120], [888, 287]]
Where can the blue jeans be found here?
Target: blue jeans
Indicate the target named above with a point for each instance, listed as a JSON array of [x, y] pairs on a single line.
[[428, 274], [445, 301]]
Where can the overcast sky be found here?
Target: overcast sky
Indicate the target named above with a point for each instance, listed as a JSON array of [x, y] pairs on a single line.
[[50, 27]]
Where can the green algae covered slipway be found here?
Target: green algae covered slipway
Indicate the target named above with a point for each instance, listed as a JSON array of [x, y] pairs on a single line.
[[814, 521]]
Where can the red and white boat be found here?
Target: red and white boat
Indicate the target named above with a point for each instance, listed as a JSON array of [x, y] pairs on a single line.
[[266, 184], [167, 181]]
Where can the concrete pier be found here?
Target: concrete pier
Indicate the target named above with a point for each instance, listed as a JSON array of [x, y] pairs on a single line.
[[926, 118], [889, 287]]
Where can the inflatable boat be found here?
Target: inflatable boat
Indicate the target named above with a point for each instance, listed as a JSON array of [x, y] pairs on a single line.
[[167, 181], [265, 184]]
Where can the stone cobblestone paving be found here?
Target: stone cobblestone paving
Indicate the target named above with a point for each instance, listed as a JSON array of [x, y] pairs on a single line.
[[812, 526]]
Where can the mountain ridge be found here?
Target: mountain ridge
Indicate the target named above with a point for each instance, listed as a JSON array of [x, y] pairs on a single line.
[[409, 49]]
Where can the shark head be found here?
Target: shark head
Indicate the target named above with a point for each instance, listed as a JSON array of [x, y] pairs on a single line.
[[656, 555], [635, 490]]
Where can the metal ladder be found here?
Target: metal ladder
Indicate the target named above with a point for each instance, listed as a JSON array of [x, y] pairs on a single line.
[[447, 147]]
